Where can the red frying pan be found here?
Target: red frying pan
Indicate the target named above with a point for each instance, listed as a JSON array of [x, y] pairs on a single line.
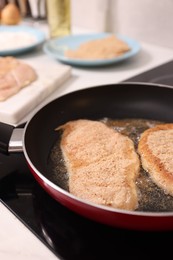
[[118, 101]]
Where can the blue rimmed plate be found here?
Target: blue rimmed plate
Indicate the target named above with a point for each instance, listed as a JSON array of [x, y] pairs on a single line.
[[33, 37], [57, 46]]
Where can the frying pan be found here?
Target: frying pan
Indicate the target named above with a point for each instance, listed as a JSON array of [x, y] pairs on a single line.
[[124, 100]]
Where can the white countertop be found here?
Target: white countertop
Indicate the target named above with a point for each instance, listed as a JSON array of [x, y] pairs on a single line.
[[18, 242]]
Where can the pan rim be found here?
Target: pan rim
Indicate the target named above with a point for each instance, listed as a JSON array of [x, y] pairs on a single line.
[[118, 84], [90, 204]]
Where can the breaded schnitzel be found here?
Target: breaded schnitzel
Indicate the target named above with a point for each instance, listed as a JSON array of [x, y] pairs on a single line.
[[102, 164], [156, 150]]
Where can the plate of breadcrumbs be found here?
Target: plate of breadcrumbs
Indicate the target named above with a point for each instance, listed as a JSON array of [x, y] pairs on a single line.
[[91, 49], [18, 39]]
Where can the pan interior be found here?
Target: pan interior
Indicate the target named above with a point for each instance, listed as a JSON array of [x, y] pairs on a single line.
[[118, 101], [151, 197]]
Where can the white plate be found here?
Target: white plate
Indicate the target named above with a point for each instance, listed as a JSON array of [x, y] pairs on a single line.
[[57, 46], [18, 39]]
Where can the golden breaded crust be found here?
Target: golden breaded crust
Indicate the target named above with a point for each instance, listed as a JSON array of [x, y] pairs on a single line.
[[102, 164], [156, 151]]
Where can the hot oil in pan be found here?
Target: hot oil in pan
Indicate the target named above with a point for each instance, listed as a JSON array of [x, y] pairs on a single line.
[[151, 197]]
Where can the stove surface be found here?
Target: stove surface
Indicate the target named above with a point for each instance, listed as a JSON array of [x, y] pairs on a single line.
[[162, 74], [67, 234]]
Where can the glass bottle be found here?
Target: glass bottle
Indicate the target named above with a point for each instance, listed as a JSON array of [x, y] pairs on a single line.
[[59, 17]]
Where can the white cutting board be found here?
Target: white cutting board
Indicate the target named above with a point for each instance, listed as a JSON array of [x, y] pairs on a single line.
[[50, 77]]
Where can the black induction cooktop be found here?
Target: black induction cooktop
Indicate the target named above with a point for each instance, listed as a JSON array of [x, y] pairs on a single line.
[[65, 233], [162, 74]]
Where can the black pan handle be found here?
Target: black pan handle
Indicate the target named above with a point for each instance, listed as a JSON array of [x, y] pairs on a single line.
[[5, 135], [11, 138]]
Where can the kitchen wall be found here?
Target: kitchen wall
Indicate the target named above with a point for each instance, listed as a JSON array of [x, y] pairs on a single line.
[[89, 14], [146, 20]]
